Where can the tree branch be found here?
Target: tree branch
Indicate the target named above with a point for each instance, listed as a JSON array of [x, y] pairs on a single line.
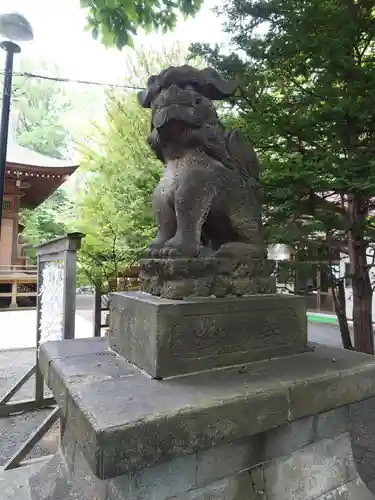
[[329, 205]]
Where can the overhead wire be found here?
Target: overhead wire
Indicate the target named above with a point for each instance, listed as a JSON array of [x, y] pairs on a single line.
[[26, 74]]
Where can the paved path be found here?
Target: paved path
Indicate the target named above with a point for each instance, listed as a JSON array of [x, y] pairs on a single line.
[[18, 327], [324, 334]]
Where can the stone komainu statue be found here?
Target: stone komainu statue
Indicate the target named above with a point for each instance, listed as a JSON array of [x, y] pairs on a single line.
[[208, 199]]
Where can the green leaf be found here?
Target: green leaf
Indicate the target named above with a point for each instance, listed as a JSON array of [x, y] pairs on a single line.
[[147, 15]]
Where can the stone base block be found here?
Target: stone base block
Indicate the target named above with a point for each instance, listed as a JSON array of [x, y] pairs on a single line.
[[168, 337], [273, 430], [310, 459], [205, 277], [293, 428]]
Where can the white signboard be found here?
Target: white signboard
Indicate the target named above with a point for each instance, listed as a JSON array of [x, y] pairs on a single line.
[[51, 298]]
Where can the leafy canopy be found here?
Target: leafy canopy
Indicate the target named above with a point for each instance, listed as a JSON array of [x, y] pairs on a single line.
[[116, 21], [114, 209], [47, 221], [41, 109], [307, 71], [42, 106]]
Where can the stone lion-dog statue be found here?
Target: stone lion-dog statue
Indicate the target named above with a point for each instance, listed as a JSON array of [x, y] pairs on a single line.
[[207, 201]]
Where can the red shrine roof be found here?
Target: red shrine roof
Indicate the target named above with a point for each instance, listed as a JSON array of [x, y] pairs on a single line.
[[40, 175]]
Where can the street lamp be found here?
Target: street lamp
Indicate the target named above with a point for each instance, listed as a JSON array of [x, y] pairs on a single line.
[[13, 27]]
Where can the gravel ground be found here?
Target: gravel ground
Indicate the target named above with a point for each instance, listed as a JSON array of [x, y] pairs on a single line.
[[16, 429], [14, 363]]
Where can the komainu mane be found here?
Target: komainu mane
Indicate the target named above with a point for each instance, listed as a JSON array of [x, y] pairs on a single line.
[[207, 201]]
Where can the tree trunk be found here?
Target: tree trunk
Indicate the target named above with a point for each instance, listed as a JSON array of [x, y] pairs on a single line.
[[338, 295], [362, 289]]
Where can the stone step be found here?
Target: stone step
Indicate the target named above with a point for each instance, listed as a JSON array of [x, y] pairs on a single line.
[[14, 484]]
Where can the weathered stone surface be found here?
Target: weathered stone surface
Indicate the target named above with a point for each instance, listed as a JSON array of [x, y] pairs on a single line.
[[14, 484], [332, 423], [68, 446], [55, 350], [326, 391], [238, 487], [355, 490], [156, 483], [286, 439], [205, 277], [324, 468], [55, 481], [183, 425], [130, 422], [52, 481], [94, 367], [166, 337], [326, 465], [229, 459], [362, 420]]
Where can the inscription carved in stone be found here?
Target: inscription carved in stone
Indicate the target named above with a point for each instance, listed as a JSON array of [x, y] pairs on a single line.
[[208, 334]]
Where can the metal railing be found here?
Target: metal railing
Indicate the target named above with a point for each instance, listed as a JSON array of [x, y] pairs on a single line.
[[56, 306]]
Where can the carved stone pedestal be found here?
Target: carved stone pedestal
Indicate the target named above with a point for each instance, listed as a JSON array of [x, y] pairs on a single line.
[[170, 337], [204, 277]]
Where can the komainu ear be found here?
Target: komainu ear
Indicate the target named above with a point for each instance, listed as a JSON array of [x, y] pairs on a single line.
[[145, 97], [214, 87], [142, 98], [206, 81]]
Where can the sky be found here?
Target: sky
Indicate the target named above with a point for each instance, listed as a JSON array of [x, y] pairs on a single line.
[[59, 35]]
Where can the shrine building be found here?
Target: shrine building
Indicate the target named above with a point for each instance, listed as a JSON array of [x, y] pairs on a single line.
[[30, 179]]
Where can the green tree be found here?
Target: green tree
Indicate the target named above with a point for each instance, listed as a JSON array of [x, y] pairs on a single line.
[[114, 209], [45, 111], [306, 69], [48, 221], [41, 106], [116, 21]]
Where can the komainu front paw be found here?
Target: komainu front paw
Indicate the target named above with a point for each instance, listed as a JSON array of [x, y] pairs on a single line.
[[152, 253], [154, 248], [176, 247]]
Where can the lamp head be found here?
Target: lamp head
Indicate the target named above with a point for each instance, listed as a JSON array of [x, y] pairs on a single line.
[[15, 27]]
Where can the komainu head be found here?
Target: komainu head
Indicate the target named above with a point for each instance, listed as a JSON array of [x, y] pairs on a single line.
[[181, 102]]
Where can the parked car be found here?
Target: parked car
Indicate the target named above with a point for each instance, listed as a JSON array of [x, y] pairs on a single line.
[[85, 290]]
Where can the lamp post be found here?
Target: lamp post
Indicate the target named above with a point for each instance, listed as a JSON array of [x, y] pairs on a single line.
[[13, 27]]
